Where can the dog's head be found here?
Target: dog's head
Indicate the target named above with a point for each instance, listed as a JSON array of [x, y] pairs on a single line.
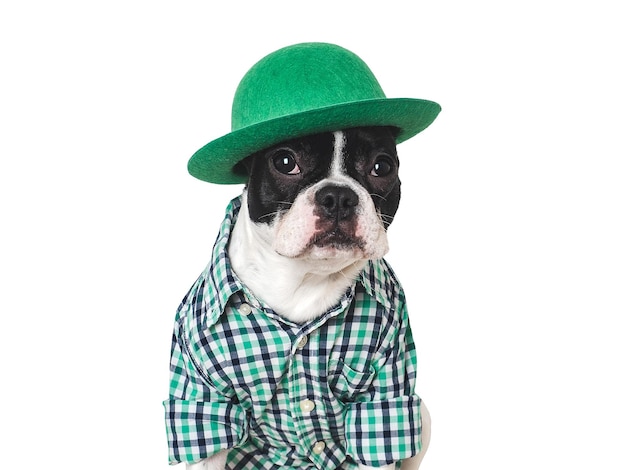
[[328, 196]]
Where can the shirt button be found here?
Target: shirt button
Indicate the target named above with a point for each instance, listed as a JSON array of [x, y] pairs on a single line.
[[307, 406], [245, 309], [302, 342], [319, 447]]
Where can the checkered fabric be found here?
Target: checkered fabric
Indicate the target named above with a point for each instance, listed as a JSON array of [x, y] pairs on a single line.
[[327, 394]]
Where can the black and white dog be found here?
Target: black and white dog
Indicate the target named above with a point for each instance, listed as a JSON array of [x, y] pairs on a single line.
[[314, 211]]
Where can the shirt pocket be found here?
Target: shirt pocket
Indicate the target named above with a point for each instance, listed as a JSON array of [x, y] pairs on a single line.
[[348, 384]]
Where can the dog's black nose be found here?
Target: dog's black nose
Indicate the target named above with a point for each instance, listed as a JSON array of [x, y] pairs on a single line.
[[337, 202]]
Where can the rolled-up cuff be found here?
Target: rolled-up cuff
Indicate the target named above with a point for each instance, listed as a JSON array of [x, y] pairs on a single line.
[[382, 432], [197, 430]]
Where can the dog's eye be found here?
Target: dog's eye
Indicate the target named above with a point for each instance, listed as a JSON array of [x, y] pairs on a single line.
[[286, 164], [382, 167]]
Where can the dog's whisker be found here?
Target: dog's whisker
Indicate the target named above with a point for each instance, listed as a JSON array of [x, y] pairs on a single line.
[[278, 212], [384, 216], [269, 214]]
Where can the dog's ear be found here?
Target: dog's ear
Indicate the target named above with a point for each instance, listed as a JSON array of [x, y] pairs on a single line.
[[244, 167]]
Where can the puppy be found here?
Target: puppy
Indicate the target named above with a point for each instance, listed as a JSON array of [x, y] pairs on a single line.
[[313, 214]]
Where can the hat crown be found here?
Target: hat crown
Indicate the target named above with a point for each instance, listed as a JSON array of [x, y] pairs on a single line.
[[300, 78]]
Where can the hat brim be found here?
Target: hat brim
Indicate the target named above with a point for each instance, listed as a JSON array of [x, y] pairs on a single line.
[[215, 162]]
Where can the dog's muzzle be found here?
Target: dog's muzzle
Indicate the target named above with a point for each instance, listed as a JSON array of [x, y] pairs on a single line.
[[336, 208]]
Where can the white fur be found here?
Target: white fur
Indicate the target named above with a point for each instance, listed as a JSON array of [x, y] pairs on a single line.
[[300, 282], [215, 462], [337, 166], [299, 289]]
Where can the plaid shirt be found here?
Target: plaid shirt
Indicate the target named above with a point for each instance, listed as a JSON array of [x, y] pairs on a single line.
[[330, 393]]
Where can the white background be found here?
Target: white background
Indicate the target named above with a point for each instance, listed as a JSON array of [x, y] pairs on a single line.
[[509, 241]]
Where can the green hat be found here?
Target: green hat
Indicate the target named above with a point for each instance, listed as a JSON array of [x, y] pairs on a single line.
[[301, 90]]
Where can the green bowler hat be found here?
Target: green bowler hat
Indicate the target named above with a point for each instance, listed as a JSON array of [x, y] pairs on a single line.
[[301, 90]]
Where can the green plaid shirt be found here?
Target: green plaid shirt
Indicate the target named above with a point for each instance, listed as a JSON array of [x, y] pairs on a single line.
[[327, 394]]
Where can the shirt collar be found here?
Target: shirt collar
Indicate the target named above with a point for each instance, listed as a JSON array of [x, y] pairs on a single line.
[[380, 282], [220, 281]]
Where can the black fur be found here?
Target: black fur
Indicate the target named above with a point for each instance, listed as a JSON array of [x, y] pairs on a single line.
[[371, 159]]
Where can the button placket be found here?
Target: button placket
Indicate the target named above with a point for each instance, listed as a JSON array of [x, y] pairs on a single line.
[[245, 309], [319, 447], [302, 406], [302, 342], [307, 404]]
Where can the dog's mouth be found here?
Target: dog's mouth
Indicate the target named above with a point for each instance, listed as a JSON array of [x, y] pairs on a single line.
[[336, 233], [335, 244], [336, 239]]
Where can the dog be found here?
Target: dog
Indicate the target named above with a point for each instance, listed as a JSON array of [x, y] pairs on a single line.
[[314, 211], [293, 349]]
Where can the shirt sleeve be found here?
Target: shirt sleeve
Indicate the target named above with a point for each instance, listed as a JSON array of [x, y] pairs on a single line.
[[200, 421], [386, 426]]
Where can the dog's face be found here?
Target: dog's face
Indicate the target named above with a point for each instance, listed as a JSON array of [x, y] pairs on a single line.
[[326, 196]]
